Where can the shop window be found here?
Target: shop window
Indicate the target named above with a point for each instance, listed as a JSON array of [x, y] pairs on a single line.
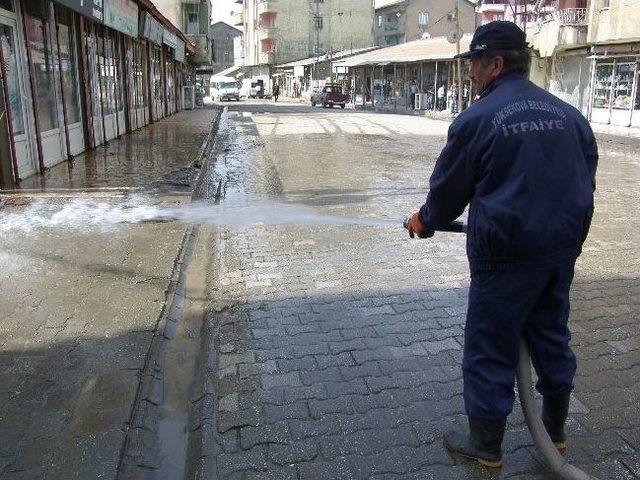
[[68, 62], [623, 86], [42, 70], [602, 87], [13, 85]]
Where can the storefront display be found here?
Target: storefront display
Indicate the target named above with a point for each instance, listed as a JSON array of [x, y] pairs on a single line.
[[615, 82]]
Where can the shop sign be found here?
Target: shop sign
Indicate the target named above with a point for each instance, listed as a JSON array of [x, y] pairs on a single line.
[[89, 8], [150, 28], [178, 53], [169, 39], [122, 15]]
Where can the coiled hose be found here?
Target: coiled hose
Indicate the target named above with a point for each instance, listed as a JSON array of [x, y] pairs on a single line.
[[558, 465]]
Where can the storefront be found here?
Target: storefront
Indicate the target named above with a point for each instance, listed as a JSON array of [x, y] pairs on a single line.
[[15, 86], [77, 73], [615, 92]]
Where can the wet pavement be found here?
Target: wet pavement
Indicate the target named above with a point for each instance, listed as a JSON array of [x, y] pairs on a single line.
[[335, 351], [329, 351], [137, 160], [85, 313]]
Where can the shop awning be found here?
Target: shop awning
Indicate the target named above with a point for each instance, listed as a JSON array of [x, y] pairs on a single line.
[[437, 48], [323, 58]]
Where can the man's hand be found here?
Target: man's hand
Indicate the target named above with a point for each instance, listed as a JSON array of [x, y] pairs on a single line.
[[415, 227]]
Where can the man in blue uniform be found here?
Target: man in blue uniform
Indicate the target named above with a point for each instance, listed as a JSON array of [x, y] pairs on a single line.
[[525, 163]]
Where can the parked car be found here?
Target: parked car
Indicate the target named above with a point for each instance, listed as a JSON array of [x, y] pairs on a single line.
[[224, 88], [330, 95], [228, 91]]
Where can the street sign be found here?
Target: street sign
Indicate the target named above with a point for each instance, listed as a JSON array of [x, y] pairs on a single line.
[[89, 8], [122, 15]]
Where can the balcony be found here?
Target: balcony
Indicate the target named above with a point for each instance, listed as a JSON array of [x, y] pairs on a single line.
[[267, 6], [267, 57], [573, 17], [268, 30], [202, 55]]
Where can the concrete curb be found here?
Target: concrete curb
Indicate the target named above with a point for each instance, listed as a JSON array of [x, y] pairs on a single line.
[[139, 451]]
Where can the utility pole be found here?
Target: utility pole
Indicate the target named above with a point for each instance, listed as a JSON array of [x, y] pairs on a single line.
[[316, 22], [458, 61]]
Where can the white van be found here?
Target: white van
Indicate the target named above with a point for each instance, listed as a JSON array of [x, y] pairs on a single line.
[[225, 88]]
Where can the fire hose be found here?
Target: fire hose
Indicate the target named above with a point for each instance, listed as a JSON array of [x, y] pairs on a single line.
[[558, 465]]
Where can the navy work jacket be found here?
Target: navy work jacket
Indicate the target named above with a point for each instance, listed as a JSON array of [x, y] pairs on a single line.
[[525, 162]]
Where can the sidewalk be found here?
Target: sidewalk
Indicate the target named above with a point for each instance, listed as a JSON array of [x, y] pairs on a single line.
[[80, 308]]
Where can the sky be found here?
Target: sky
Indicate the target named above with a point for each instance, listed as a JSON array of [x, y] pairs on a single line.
[[221, 9]]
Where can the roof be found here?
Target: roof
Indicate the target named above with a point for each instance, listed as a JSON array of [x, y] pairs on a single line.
[[229, 71], [386, 3], [225, 26], [437, 48], [324, 58]]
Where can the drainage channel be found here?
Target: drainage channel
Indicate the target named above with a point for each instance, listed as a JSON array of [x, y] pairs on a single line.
[[184, 324], [157, 444]]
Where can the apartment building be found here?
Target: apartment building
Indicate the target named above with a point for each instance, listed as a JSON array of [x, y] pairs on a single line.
[[588, 54], [193, 17], [223, 36], [408, 20], [279, 31]]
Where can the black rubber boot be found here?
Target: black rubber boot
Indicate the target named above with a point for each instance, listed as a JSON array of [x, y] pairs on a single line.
[[482, 443], [554, 414]]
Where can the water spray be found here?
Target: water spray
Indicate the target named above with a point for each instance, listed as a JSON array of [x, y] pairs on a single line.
[[558, 465]]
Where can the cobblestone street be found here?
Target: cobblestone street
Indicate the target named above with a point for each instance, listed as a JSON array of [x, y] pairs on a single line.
[[327, 348], [335, 352]]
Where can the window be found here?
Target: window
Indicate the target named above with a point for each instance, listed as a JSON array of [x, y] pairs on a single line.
[[69, 64], [423, 19], [379, 20], [38, 35], [191, 18], [6, 4], [318, 22]]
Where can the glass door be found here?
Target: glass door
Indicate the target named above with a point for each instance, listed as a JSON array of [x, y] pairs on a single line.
[[68, 72], [635, 115], [43, 72], [622, 92], [601, 100], [16, 88]]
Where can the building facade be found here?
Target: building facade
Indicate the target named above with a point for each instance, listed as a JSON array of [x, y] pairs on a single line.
[[76, 73], [223, 36], [193, 18], [408, 20], [279, 31], [588, 54], [390, 24]]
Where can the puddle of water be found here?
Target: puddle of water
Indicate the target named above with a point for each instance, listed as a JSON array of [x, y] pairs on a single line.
[[86, 214]]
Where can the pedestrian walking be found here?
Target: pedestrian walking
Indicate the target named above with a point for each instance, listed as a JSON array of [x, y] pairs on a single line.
[[413, 91], [526, 162], [441, 97], [276, 92], [453, 98]]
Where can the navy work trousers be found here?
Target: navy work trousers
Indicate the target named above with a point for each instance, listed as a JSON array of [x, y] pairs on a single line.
[[503, 306]]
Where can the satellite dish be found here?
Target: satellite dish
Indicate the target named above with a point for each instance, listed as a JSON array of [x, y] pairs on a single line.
[[453, 36]]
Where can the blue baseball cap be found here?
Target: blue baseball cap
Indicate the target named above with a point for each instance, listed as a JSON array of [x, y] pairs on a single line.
[[498, 35]]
